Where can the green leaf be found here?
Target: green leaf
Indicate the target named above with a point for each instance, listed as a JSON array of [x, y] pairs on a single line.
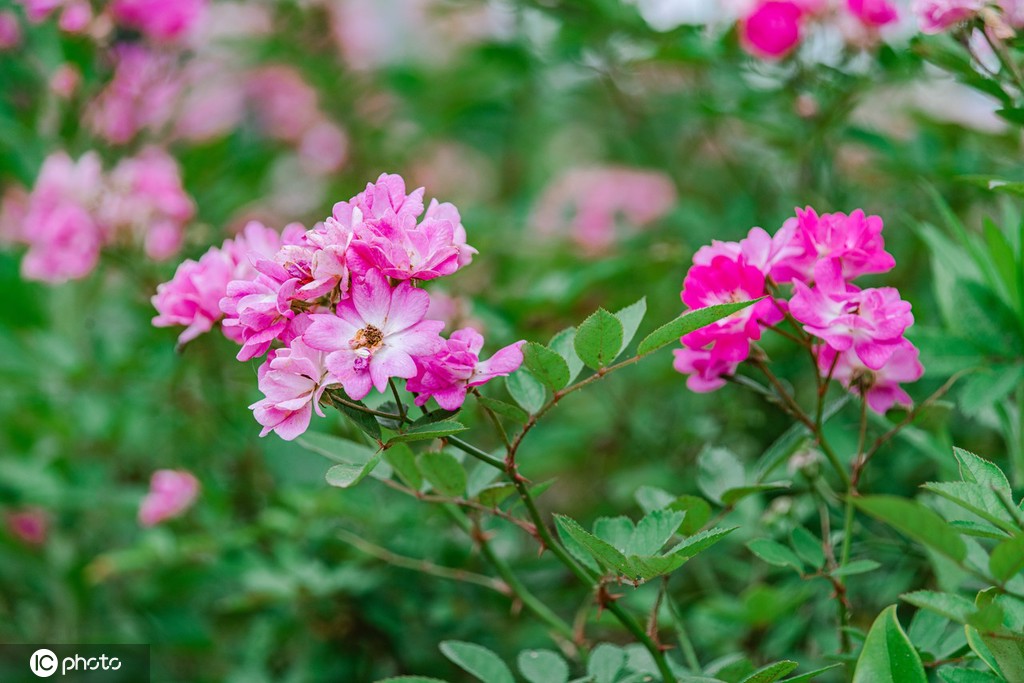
[[771, 673], [977, 470], [478, 661], [718, 471], [888, 656], [1007, 558], [495, 493], [411, 679], [980, 500], [433, 430], [700, 542], [543, 666], [989, 386], [336, 449], [916, 521], [733, 496], [791, 439], [978, 529], [514, 413], [950, 605], [856, 567], [599, 339], [775, 553], [811, 675], [1007, 652], [979, 648], [402, 460], [444, 473], [687, 323], [364, 421], [600, 550], [697, 510], [651, 498], [563, 344], [631, 316], [526, 390], [617, 531], [654, 531], [345, 476], [605, 663], [546, 365], [807, 546], [953, 675]]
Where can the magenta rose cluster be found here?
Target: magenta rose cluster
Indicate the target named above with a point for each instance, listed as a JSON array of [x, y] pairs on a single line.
[[338, 305], [771, 29], [857, 335], [76, 209]]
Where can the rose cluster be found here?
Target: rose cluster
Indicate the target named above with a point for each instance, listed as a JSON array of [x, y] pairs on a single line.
[[1001, 17], [338, 305], [771, 29], [75, 209], [160, 20], [856, 335]]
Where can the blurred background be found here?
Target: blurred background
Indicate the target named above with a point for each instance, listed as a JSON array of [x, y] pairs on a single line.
[[591, 146]]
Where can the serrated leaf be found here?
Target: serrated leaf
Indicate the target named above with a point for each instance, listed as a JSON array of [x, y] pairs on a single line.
[[775, 553], [616, 531], [654, 531], [444, 473], [651, 498], [698, 543], [600, 550], [546, 365], [364, 421], [599, 339], [526, 390], [1008, 653], [563, 344], [807, 546], [542, 666], [954, 675], [605, 663], [916, 521], [336, 449], [718, 470], [1007, 558], [687, 323], [978, 529], [887, 655], [424, 432], [976, 470], [771, 673], [346, 476], [478, 661], [980, 500], [950, 605], [733, 496], [631, 316], [856, 567], [514, 413], [402, 460]]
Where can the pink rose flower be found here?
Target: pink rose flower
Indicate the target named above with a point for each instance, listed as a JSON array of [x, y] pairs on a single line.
[[873, 12], [142, 95], [65, 81], [375, 334], [871, 322], [31, 525], [705, 370], [447, 375], [163, 20], [936, 16], [292, 380], [171, 492], [879, 386], [855, 240], [772, 29], [10, 30], [387, 196]]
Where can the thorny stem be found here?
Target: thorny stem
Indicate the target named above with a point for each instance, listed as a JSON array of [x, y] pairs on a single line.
[[462, 503]]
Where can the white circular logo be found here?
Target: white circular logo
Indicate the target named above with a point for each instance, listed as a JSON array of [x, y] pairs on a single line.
[[43, 663]]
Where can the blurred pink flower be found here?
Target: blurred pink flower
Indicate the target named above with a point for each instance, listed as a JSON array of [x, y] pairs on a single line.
[[871, 322], [163, 20], [323, 148], [65, 81], [880, 386], [142, 95], [213, 102], [292, 380], [63, 237], [936, 16], [873, 12], [10, 30], [375, 334], [772, 29], [456, 367], [13, 209], [146, 197], [171, 492], [286, 106], [855, 240], [600, 205], [76, 16], [38, 10], [30, 524]]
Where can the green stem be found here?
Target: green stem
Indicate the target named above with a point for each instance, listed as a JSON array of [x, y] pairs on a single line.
[[398, 400], [472, 450]]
